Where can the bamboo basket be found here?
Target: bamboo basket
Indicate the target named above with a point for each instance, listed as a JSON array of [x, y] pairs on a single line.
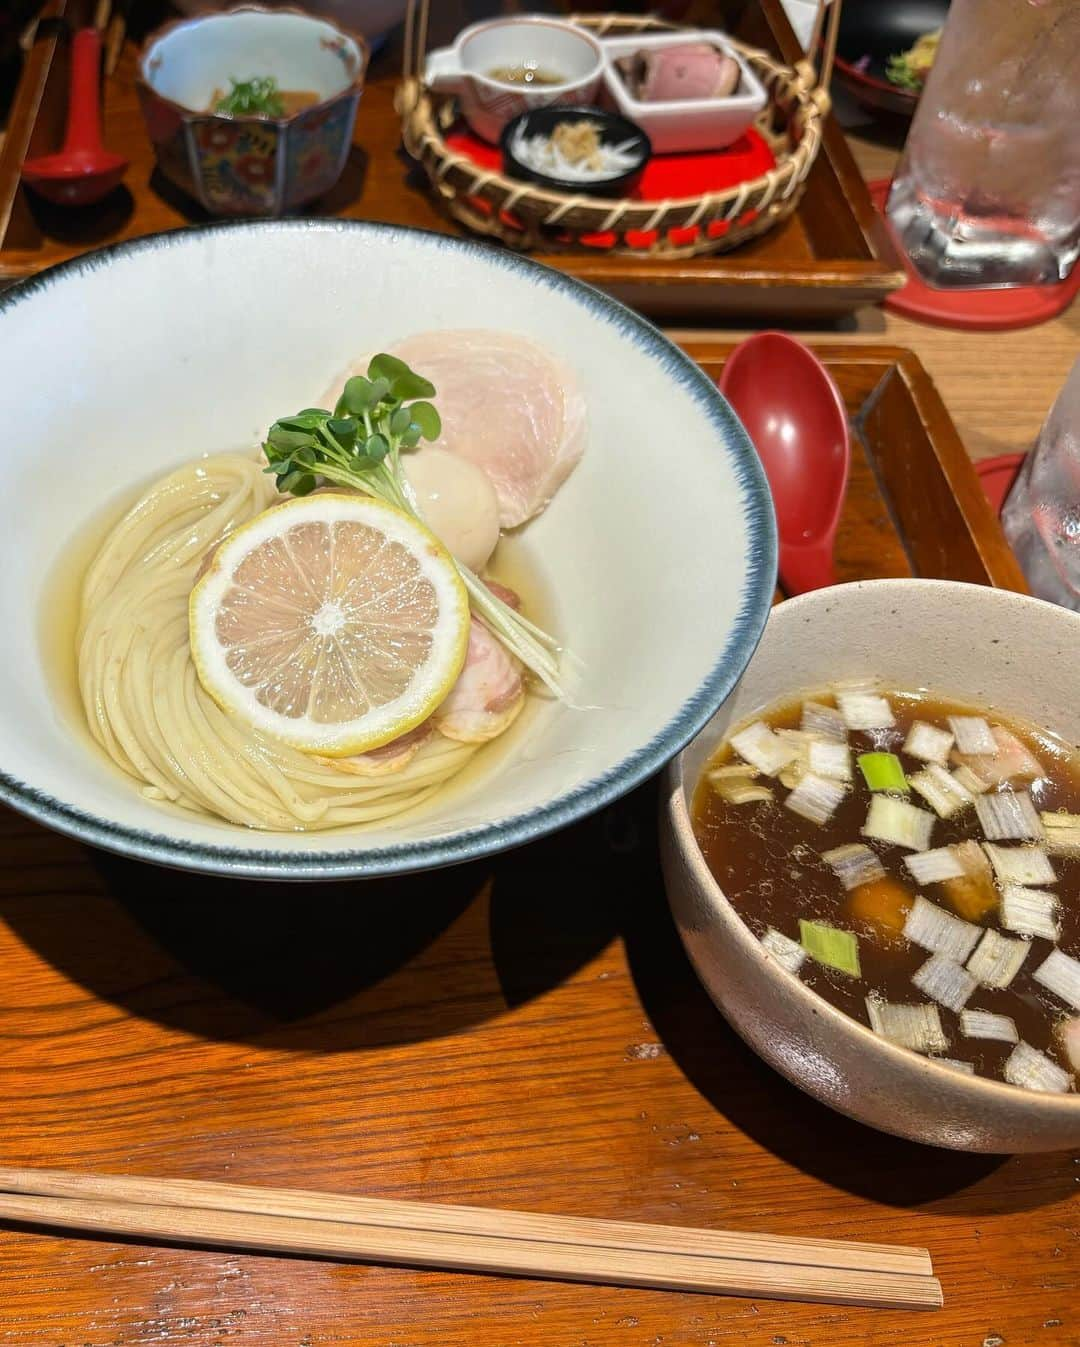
[[529, 217]]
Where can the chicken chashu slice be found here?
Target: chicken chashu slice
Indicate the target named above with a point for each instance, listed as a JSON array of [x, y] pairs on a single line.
[[508, 406]]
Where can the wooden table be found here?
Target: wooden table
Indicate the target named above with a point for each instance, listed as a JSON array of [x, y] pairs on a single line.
[[523, 1033], [526, 1032]]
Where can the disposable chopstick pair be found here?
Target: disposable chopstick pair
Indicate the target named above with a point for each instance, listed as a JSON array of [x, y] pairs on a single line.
[[473, 1238]]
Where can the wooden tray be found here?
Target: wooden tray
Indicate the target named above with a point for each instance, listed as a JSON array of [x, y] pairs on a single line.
[[914, 504], [832, 256], [522, 1032]]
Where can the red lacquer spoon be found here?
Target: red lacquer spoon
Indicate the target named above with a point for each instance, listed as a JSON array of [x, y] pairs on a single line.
[[83, 171], [795, 416]]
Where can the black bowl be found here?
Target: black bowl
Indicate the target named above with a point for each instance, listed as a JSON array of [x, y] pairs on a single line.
[[878, 29], [612, 129]]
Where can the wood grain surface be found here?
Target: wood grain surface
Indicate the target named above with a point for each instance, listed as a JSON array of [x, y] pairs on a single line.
[[26, 115], [998, 386], [524, 1032]]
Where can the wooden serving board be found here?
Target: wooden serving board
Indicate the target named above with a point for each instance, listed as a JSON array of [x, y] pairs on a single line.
[[522, 1032], [914, 505], [830, 258]]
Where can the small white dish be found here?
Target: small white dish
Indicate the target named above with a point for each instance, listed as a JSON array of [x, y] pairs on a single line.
[[657, 557], [683, 125], [524, 40], [373, 18]]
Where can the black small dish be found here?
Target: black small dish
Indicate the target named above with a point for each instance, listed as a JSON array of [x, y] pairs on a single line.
[[612, 129], [872, 31]]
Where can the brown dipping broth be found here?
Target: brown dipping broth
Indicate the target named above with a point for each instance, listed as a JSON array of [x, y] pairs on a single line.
[[524, 74], [767, 860]]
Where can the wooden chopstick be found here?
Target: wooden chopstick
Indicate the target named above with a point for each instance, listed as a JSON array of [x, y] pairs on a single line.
[[447, 1219], [114, 43], [471, 1239], [476, 1253], [114, 38]]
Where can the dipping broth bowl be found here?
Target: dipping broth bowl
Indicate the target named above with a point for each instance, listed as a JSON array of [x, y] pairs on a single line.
[[966, 641], [248, 165], [528, 42]]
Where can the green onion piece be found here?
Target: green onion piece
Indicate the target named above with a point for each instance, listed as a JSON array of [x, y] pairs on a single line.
[[1059, 974], [256, 97], [1062, 833], [1033, 1070], [883, 771], [916, 1027], [830, 946]]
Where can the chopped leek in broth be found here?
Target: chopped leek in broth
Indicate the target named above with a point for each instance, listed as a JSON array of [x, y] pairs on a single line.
[[261, 97], [917, 863]]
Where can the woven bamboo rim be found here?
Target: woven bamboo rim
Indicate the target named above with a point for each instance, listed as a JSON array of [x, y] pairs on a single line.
[[526, 216]]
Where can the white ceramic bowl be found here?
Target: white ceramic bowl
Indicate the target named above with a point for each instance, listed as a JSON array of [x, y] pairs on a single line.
[[658, 554], [986, 646], [683, 125], [372, 18]]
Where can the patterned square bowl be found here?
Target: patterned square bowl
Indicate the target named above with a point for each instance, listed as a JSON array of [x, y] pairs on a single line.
[[251, 165]]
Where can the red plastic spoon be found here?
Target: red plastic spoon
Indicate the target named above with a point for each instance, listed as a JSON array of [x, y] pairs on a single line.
[[794, 415], [83, 171]]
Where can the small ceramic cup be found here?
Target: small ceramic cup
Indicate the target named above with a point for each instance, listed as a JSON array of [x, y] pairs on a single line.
[[246, 165], [527, 40]]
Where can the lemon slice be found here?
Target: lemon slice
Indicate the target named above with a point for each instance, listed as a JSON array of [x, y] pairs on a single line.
[[334, 623]]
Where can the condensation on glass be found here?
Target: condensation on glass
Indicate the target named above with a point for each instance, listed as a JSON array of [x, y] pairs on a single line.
[[987, 193]]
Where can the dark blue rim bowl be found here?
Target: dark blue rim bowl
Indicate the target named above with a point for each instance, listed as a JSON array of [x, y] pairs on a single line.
[[488, 838]]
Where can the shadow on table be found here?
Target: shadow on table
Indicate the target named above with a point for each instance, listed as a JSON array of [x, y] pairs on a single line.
[[348, 966], [807, 1135], [323, 967], [83, 226]]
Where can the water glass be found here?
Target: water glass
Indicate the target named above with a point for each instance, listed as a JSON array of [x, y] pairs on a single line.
[[1042, 514], [987, 193]]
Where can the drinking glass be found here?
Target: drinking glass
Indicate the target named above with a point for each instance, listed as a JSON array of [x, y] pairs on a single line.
[[1042, 514], [987, 193]]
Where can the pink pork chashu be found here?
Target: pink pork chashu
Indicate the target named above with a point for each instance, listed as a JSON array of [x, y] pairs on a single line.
[[488, 694], [508, 406], [688, 70], [388, 759], [1012, 762]]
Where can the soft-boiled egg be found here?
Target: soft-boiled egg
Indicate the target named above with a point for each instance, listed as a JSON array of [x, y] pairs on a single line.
[[457, 502]]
